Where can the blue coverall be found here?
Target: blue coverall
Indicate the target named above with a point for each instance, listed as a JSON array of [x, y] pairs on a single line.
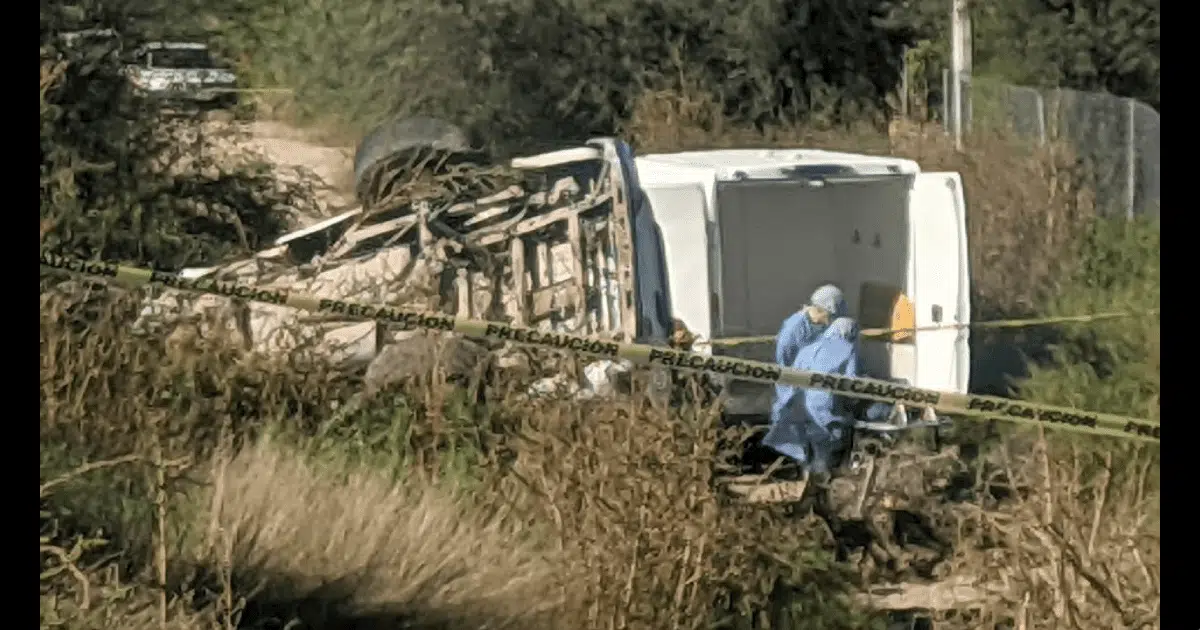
[[809, 428], [796, 333]]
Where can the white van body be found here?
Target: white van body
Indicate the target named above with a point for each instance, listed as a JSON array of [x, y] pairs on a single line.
[[749, 234]]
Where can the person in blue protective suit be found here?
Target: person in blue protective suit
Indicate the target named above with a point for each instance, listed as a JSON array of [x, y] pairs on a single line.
[[798, 331], [812, 428]]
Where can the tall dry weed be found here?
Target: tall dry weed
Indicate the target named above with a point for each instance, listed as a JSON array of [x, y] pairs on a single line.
[[354, 548], [1078, 545], [629, 492], [1035, 531], [622, 495]]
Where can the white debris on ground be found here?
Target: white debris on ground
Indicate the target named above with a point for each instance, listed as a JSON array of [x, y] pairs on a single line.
[[599, 381]]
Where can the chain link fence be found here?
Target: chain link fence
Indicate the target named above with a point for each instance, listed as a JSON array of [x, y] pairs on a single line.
[[1117, 137]]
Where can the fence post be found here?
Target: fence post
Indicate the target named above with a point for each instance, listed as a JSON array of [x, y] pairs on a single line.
[[946, 100], [1130, 159], [1041, 118], [968, 95]]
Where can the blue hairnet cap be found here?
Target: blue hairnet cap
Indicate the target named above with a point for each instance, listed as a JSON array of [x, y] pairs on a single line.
[[830, 299], [844, 327]]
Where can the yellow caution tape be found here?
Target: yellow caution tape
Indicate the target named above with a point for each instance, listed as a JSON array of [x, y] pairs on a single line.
[[985, 407], [1005, 323]]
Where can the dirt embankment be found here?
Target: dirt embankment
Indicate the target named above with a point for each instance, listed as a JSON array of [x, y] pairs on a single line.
[[296, 156], [293, 148]]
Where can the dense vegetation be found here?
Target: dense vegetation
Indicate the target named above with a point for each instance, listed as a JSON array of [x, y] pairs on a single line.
[[547, 68], [1092, 45]]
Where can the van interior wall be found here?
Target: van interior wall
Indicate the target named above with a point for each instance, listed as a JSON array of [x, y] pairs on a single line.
[[780, 241], [775, 248], [872, 246]]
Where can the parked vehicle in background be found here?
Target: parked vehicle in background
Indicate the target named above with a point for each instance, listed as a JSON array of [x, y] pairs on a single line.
[[182, 73]]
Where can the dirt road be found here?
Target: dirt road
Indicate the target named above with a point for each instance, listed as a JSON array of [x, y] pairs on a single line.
[[296, 155], [290, 147]]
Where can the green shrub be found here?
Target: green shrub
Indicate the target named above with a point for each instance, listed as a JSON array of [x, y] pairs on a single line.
[[1109, 365], [534, 71]]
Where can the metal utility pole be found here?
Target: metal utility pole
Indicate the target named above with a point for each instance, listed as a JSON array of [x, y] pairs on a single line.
[[960, 68]]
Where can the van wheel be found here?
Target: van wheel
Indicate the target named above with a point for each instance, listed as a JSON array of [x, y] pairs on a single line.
[[400, 136]]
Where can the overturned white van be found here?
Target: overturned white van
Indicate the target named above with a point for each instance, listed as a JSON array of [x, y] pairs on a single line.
[[748, 235]]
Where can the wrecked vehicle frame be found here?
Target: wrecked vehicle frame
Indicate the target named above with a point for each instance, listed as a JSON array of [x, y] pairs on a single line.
[[560, 241]]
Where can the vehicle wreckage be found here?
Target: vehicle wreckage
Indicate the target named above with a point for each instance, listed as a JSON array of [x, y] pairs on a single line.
[[551, 241]]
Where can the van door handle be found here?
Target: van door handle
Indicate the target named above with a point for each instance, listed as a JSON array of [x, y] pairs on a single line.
[[937, 313]]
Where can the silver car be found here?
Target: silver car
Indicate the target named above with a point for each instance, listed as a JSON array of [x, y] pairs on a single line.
[[182, 72]]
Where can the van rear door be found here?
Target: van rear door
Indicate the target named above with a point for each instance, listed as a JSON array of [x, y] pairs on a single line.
[[940, 283], [680, 211]]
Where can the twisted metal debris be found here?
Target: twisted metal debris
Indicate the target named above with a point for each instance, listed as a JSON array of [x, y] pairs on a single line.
[[536, 242]]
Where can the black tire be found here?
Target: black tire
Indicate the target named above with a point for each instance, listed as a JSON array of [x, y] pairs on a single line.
[[404, 134]]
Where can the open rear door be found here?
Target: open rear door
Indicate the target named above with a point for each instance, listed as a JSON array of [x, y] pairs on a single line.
[[680, 213], [940, 284]]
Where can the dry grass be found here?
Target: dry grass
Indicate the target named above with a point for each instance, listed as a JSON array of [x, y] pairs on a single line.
[[1056, 532], [529, 515], [589, 516], [350, 546], [1082, 545]]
